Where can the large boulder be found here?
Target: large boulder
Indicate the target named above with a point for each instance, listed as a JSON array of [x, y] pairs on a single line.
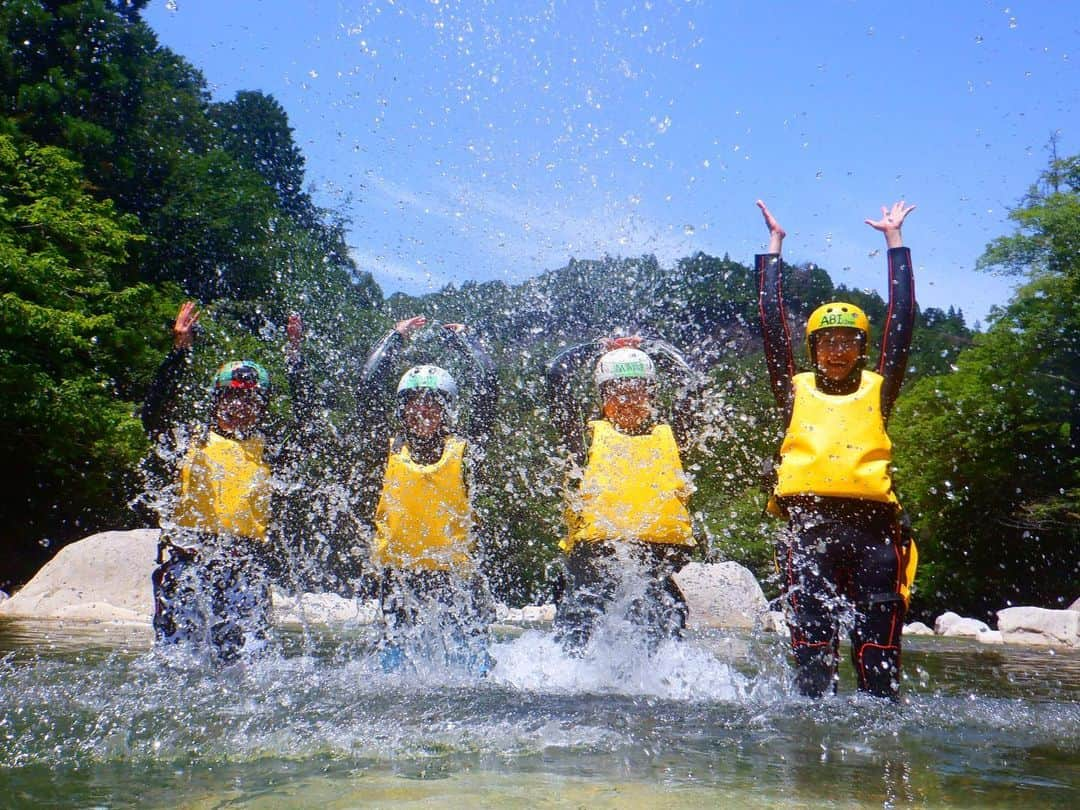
[[1032, 625], [917, 629], [722, 595], [1075, 606], [953, 624], [104, 577]]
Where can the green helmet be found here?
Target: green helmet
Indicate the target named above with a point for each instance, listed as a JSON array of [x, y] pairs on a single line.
[[427, 380], [243, 375]]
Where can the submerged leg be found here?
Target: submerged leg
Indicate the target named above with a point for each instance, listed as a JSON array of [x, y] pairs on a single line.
[[240, 604], [810, 591], [662, 610], [879, 620], [177, 614], [590, 586]]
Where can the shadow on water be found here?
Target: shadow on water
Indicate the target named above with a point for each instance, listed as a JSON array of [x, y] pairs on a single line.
[[90, 716]]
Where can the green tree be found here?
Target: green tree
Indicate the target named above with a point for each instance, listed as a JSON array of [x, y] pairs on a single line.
[[72, 354], [987, 455]]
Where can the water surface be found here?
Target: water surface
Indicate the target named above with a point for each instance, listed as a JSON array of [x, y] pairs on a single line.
[[91, 717]]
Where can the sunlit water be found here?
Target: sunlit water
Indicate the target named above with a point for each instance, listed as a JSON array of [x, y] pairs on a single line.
[[90, 717]]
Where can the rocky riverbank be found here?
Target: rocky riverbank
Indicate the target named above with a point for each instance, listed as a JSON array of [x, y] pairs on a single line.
[[106, 578]]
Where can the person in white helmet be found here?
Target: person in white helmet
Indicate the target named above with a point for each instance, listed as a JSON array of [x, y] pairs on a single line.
[[423, 526], [628, 509]]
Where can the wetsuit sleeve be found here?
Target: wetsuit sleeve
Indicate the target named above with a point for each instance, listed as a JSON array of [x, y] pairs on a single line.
[[774, 329], [484, 386], [566, 412], [369, 429], [300, 390], [899, 324], [158, 407], [372, 418], [688, 386]]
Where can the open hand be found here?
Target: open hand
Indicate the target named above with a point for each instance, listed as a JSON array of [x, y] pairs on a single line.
[[184, 326], [892, 219], [622, 342], [776, 233], [410, 325]]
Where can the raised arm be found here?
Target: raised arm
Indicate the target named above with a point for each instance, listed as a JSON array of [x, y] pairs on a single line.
[[297, 373], [159, 405], [483, 384], [774, 329], [566, 412], [687, 385], [900, 320]]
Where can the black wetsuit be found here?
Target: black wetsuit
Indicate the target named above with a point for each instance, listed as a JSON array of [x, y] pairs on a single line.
[[213, 590], [842, 556], [591, 574], [407, 598]]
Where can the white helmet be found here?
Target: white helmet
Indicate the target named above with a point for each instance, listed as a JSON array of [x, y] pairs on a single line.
[[624, 364], [428, 378]]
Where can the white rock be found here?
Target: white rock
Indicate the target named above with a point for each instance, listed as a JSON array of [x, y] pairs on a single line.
[[104, 577], [1074, 606], [991, 637], [538, 614], [1032, 625], [943, 622], [963, 628], [322, 608], [721, 595], [917, 629]]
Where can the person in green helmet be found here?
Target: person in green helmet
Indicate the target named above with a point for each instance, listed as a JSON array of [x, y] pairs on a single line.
[[845, 551], [417, 501], [212, 586]]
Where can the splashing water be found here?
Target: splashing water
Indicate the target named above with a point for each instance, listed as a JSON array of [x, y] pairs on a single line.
[[87, 714]]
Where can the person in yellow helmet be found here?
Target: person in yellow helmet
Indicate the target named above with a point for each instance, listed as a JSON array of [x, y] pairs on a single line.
[[845, 553], [433, 597], [219, 533], [628, 521]]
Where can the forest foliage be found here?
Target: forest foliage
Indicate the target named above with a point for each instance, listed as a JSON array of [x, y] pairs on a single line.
[[125, 188]]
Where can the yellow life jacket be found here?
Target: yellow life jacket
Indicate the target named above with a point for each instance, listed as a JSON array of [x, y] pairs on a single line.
[[225, 488], [836, 445], [424, 520], [634, 488]]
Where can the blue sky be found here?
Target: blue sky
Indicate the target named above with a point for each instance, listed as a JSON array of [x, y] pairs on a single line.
[[479, 140]]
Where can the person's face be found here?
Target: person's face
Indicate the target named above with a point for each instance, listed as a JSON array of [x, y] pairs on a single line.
[[838, 350], [423, 415], [239, 409], [628, 404]]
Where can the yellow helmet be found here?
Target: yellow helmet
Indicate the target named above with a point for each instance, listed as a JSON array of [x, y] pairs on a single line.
[[837, 313]]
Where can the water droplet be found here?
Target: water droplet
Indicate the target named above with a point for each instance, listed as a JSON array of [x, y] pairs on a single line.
[[688, 230], [978, 39]]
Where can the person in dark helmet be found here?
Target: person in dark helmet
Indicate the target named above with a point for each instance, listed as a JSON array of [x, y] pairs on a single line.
[[424, 526], [626, 505], [846, 550], [211, 586]]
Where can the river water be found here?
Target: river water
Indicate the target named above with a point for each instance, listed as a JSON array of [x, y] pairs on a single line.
[[91, 717]]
